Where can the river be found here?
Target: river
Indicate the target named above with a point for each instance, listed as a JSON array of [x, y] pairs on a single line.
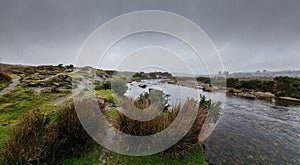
[[255, 132], [249, 131]]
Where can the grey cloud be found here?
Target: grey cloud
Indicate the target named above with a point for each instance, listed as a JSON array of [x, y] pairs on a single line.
[[250, 35]]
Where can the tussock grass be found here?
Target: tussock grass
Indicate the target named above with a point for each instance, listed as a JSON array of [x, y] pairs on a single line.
[[31, 142], [37, 139], [161, 122]]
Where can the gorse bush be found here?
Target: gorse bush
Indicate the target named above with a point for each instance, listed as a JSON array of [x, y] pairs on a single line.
[[37, 140]]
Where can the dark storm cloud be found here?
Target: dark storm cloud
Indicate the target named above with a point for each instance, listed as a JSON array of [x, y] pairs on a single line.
[[250, 35]]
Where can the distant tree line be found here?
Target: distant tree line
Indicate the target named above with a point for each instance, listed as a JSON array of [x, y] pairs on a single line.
[[152, 75]]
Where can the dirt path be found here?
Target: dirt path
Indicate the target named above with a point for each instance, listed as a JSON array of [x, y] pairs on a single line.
[[80, 89], [14, 83]]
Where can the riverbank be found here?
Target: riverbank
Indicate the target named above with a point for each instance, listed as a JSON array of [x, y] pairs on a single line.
[[252, 95], [47, 88], [280, 89]]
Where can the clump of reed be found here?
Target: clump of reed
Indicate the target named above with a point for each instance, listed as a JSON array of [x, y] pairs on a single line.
[[162, 121]]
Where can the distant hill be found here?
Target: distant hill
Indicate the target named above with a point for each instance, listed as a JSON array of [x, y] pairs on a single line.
[[268, 74], [289, 73], [260, 74]]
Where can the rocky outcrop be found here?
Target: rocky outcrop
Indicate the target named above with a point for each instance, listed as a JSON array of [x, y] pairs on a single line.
[[288, 99], [263, 95], [143, 85], [252, 94], [207, 88], [246, 96]]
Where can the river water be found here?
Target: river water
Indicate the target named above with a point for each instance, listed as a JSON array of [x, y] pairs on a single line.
[[255, 132], [249, 131]]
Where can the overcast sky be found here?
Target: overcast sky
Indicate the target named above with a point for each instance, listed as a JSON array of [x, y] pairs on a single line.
[[249, 34]]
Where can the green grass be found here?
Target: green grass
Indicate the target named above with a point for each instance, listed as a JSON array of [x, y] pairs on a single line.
[[13, 76], [195, 157], [90, 157], [19, 100], [111, 114], [105, 94], [4, 84], [109, 96]]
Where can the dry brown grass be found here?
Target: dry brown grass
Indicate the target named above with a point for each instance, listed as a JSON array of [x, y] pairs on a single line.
[[142, 128], [161, 122], [71, 136], [185, 144], [4, 76]]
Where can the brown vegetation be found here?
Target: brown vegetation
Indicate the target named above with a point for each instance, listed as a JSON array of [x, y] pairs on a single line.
[[4, 76], [161, 122]]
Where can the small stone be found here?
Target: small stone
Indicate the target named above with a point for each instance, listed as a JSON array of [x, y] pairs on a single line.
[[4, 124]]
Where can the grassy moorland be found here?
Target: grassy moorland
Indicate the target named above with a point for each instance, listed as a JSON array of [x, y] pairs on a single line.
[[35, 129]]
